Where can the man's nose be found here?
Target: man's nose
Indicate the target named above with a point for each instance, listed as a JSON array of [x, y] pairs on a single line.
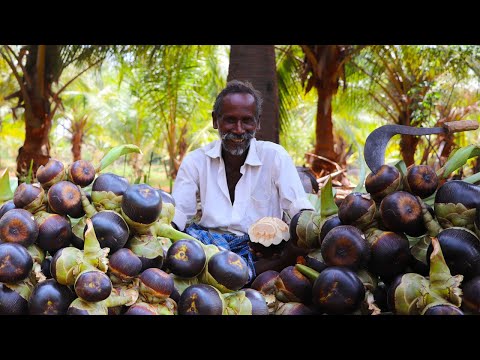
[[238, 127]]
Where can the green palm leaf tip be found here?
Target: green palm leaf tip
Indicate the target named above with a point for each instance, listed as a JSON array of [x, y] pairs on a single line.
[[324, 201], [114, 153], [328, 206], [458, 159], [6, 192]]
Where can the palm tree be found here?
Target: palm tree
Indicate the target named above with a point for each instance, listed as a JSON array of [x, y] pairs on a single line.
[[36, 69], [79, 112], [179, 89], [323, 70], [405, 83], [296, 109]]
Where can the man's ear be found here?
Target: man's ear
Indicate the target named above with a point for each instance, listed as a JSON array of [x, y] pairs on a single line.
[[258, 124], [214, 119]]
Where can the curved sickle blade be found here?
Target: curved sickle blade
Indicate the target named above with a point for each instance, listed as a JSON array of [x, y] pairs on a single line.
[[377, 141]]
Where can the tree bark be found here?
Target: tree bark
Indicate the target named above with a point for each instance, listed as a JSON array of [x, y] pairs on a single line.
[[78, 131], [36, 146], [408, 143], [323, 67], [324, 133], [41, 70], [256, 64]]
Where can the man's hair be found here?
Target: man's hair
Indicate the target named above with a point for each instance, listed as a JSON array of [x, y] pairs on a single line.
[[242, 87]]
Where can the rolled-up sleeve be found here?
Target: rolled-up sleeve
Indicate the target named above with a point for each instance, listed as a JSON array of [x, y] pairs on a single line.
[[184, 192], [292, 193]]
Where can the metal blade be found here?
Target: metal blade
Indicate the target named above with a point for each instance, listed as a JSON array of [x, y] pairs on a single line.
[[377, 141]]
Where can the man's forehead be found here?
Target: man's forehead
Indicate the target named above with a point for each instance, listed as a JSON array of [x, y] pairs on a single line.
[[239, 99]]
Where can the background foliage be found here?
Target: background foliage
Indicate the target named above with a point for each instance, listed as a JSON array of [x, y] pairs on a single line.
[[160, 99]]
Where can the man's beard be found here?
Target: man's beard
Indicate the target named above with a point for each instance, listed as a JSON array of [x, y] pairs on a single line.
[[236, 149]]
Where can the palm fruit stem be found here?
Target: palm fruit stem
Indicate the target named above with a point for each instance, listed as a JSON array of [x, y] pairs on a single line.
[[168, 231], [307, 271], [92, 252], [122, 296], [432, 225], [87, 206]]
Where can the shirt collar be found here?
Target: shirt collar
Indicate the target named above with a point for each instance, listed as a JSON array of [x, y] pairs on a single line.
[[252, 157]]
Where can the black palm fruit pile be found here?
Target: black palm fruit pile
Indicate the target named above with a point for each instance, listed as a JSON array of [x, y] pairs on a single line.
[[406, 243], [79, 241]]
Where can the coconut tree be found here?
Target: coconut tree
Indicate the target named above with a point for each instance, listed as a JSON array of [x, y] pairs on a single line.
[[158, 98], [296, 109], [180, 93], [409, 83], [132, 123], [323, 70], [106, 106], [80, 104], [37, 68], [454, 102]]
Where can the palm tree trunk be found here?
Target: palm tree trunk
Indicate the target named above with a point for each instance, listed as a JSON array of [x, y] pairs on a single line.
[[39, 73], [323, 67], [36, 146], [136, 165], [256, 64], [408, 143], [324, 133], [77, 146], [78, 131]]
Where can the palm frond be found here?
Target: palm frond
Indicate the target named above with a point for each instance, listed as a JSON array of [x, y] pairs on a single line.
[[289, 84]]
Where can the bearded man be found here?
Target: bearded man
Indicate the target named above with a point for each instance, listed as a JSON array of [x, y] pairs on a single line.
[[236, 180]]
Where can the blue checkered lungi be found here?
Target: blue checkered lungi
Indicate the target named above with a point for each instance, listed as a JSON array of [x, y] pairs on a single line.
[[237, 244]]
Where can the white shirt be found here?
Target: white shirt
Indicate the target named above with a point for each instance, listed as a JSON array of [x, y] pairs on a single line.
[[269, 185]]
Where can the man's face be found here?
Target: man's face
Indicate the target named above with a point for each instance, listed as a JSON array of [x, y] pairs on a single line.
[[236, 125]]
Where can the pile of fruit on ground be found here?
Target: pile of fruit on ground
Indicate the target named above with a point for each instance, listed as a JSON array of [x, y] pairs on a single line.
[[79, 240]]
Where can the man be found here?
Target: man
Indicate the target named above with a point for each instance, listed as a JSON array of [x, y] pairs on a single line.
[[238, 180]]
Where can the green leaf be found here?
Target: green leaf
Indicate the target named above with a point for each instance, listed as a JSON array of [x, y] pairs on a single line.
[[430, 200], [6, 192], [362, 166], [401, 166], [315, 201], [29, 178], [362, 171], [472, 179], [327, 203], [310, 273], [115, 153], [457, 159]]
